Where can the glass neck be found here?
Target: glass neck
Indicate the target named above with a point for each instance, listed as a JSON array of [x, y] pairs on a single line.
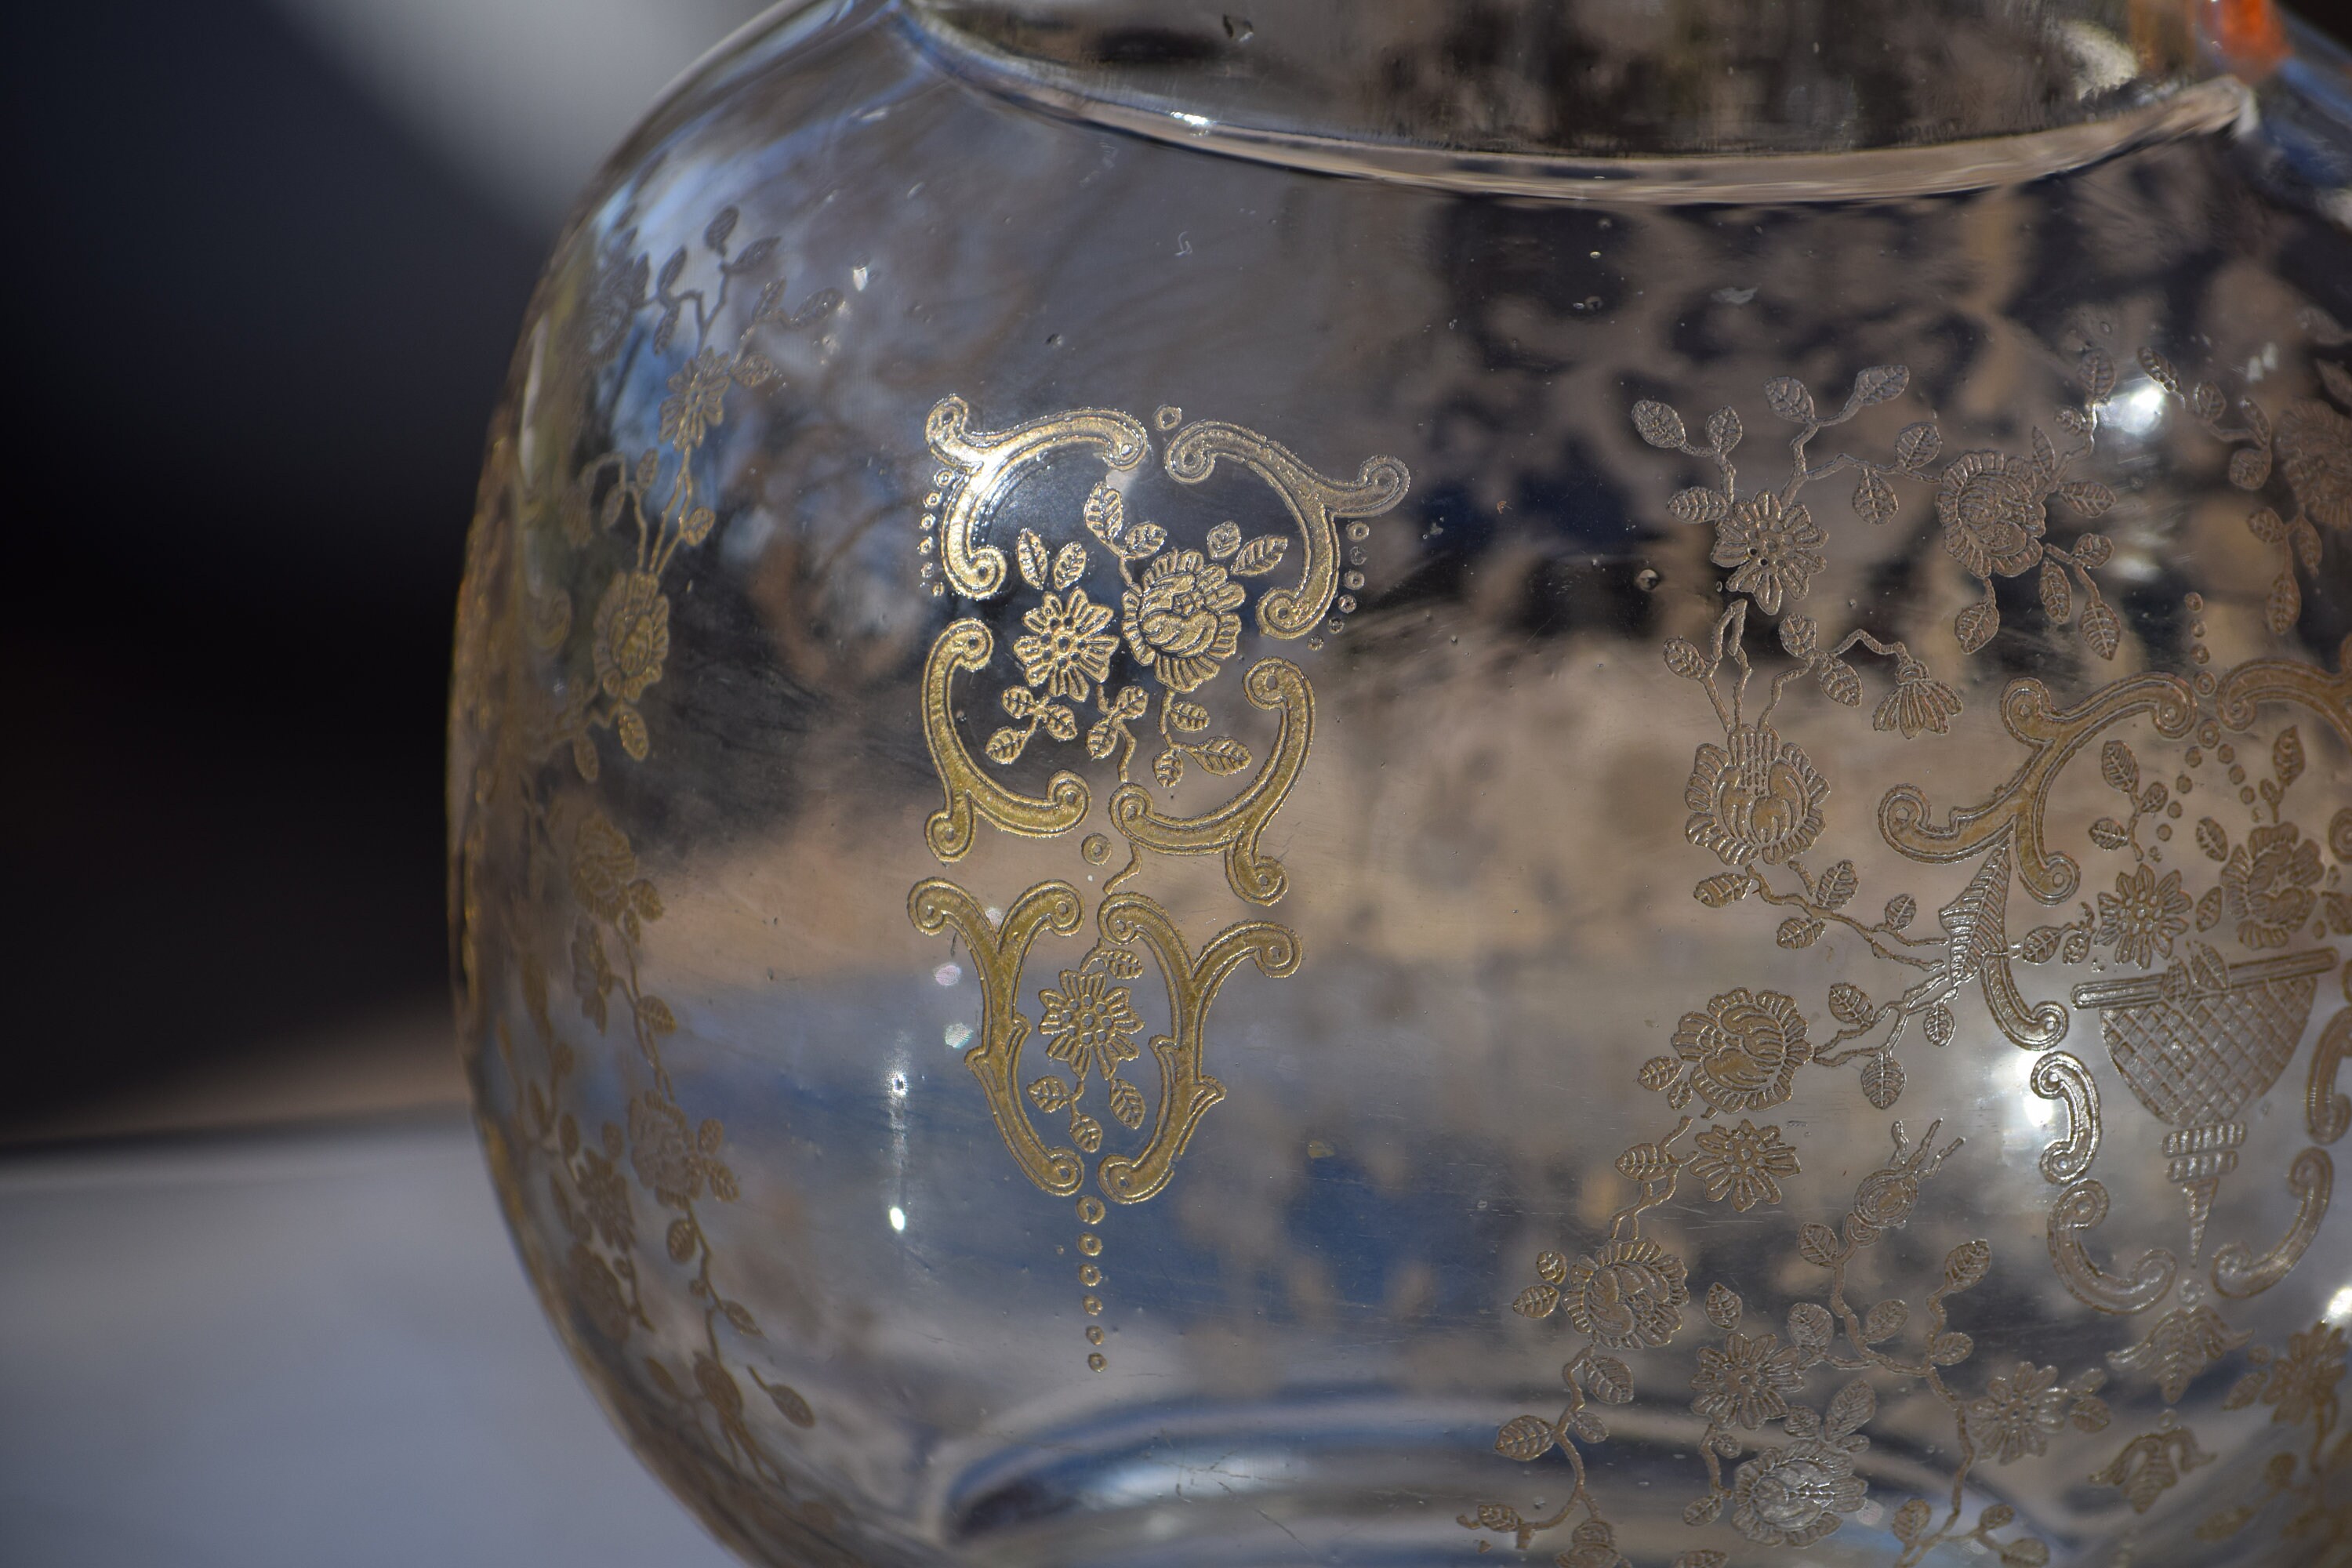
[[1617, 78]]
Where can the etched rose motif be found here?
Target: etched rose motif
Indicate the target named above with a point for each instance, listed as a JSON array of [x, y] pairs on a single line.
[[1920, 701], [1088, 1023], [1792, 1495], [1180, 621], [661, 1150], [2303, 1382], [602, 866], [1744, 1050], [1746, 1381], [1631, 1294], [1775, 549], [697, 399], [2315, 451], [1756, 798], [599, 1294], [2019, 1414], [2142, 916], [1066, 647], [1992, 510], [632, 635], [2266, 884], [1743, 1163]]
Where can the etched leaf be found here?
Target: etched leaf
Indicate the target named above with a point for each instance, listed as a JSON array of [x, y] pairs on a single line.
[[1722, 430], [1705, 1556], [740, 1317], [1168, 767], [1536, 1302], [1188, 716], [2267, 526], [2208, 403], [1659, 425], [1069, 565], [1018, 701], [681, 1240], [1818, 1243], [1143, 540], [2024, 1552], [2212, 838], [1797, 932], [1838, 682], [1787, 396], [1874, 498], [1850, 1004], [1850, 1411], [1699, 505], [2090, 499], [1723, 1307], [1802, 636], [2109, 834], [1878, 383], [1722, 888], [1005, 746], [1966, 1264], [1939, 1026], [2306, 540], [2285, 606], [1126, 1103], [1260, 556], [1222, 755], [2041, 944], [1525, 1437], [1697, 1512], [1105, 515], [2119, 767], [2077, 947], [790, 1404], [1224, 539], [1552, 1267], [1584, 1423], [671, 268], [1086, 1133], [2097, 374], [1685, 660], [1102, 737], [2250, 467], [2286, 756], [1836, 886], [1900, 910], [697, 526], [2045, 457], [654, 1015], [1660, 1071], [632, 727], [715, 236], [1611, 1380], [2092, 549], [1884, 1321], [755, 371], [1049, 1094], [1642, 1162], [1974, 922], [1810, 1325], [1881, 1081], [1036, 565], [2102, 628], [1917, 446], [2245, 1391], [1912, 1518], [1950, 1348], [1975, 625], [2057, 595]]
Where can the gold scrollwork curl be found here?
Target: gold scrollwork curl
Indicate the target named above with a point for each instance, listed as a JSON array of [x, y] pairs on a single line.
[[2061, 1076], [2016, 810], [2328, 1113], [998, 952], [1315, 503], [1234, 828], [967, 646], [986, 462], [2251, 685], [2238, 1273], [1186, 1092], [2082, 1207]]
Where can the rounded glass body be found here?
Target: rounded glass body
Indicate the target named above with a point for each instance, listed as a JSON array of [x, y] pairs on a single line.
[[1375, 822]]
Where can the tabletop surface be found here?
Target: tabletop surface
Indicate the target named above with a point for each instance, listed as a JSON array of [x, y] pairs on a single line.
[[297, 1347]]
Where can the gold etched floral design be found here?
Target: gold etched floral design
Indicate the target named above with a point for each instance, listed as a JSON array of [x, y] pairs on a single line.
[[1747, 1382], [2143, 916], [2301, 1383], [2017, 1414], [2315, 452], [1775, 550], [1179, 635], [1741, 1053], [1744, 1163], [1755, 797], [2266, 885]]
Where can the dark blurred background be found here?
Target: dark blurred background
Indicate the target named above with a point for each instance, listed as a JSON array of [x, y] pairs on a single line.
[[270, 258]]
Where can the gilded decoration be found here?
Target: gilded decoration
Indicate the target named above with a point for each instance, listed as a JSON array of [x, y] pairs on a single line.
[[2209, 906], [1121, 680]]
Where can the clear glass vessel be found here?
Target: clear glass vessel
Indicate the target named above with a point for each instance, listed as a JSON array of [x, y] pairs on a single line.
[[1568, 779]]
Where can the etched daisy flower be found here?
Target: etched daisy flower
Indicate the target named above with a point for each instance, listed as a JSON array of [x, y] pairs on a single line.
[[1775, 550]]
